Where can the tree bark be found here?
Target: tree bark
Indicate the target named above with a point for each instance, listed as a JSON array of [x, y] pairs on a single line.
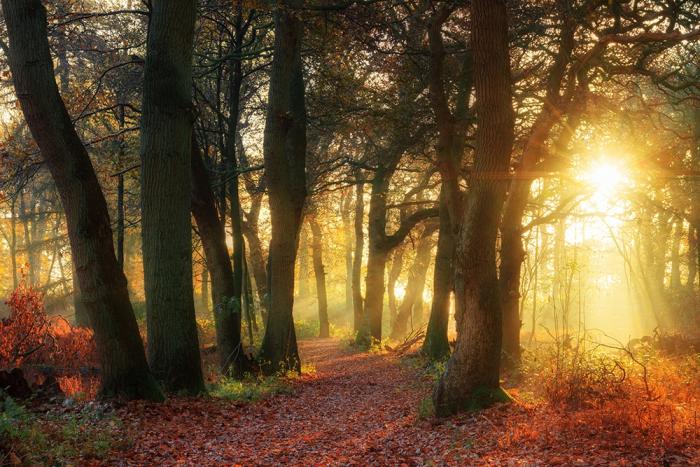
[[320, 274], [303, 290], [452, 129], [284, 149], [124, 369], [357, 299], [347, 246], [675, 255], [394, 274], [166, 182], [415, 283], [227, 313], [512, 248], [471, 378], [436, 345]]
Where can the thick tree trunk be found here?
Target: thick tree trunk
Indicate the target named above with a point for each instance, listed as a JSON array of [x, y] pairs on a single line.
[[371, 327], [471, 379], [227, 312], [415, 284], [166, 181], [284, 151], [320, 274], [357, 299], [124, 368], [436, 346]]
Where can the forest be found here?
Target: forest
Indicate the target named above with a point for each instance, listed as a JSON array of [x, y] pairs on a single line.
[[350, 232]]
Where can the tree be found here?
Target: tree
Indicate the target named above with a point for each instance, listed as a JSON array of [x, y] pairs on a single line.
[[284, 151], [166, 180], [319, 273], [471, 377], [211, 231], [102, 283], [452, 132]]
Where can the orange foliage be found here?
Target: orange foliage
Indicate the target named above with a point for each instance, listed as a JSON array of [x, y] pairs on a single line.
[[29, 336]]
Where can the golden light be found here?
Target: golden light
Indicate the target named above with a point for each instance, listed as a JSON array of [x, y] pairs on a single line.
[[604, 177]]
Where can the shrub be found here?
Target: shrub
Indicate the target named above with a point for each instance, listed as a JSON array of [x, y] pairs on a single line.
[[30, 337]]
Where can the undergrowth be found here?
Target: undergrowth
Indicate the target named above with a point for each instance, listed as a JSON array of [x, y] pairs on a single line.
[[57, 437]]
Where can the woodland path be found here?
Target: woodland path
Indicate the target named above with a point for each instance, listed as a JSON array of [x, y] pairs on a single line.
[[360, 409]]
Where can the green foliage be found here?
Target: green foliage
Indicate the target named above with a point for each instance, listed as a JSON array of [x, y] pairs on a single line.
[[309, 328], [56, 438], [306, 328], [251, 388]]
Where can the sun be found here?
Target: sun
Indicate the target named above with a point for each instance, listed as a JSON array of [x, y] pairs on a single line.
[[604, 178]]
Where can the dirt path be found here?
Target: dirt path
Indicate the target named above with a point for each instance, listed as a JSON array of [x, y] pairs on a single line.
[[360, 409]]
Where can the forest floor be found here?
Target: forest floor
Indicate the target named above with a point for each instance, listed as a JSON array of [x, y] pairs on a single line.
[[365, 408]]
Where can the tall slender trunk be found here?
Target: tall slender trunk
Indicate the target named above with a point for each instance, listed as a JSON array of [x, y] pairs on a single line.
[[204, 299], [120, 221], [357, 300], [284, 150], [415, 283], [320, 274], [13, 241], [227, 312], [452, 129], [303, 290], [120, 195], [676, 255], [693, 257], [436, 346], [257, 265], [124, 368], [394, 273], [346, 206], [166, 182], [471, 378]]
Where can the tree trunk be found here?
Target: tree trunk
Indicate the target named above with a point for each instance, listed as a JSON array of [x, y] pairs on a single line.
[[227, 312], [415, 284], [166, 181], [471, 378], [347, 245], [436, 346], [257, 265], [284, 149], [320, 273], [124, 368], [394, 274], [357, 299], [13, 241], [675, 255], [693, 257], [204, 299], [303, 290]]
